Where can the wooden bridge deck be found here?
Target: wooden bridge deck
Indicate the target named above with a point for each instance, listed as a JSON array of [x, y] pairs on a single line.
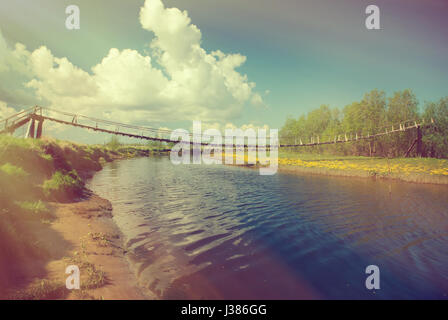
[[38, 114]]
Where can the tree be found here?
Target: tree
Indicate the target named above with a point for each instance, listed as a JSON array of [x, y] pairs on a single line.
[[370, 116], [435, 139], [402, 107], [114, 143]]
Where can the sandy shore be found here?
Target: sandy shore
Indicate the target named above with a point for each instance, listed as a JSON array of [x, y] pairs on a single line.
[[88, 229], [49, 221], [83, 233]]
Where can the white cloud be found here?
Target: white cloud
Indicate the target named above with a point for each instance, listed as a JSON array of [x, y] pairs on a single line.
[[223, 126], [61, 82], [6, 111], [14, 73], [186, 83], [246, 126]]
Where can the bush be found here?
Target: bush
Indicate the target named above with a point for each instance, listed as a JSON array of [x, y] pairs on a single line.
[[14, 184], [13, 171], [114, 143], [63, 186], [34, 207]]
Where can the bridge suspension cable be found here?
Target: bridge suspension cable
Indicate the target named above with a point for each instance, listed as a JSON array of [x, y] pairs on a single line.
[[40, 114]]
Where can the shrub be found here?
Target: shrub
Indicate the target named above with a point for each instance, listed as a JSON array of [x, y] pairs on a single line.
[[13, 171], [35, 208], [114, 143], [63, 186]]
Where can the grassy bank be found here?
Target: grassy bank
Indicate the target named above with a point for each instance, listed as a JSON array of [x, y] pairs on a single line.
[[35, 175], [420, 170]]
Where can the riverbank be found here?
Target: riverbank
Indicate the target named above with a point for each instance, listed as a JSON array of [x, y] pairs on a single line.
[[417, 170], [50, 221]]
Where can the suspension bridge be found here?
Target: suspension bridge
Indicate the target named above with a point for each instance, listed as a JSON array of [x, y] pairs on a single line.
[[34, 117]]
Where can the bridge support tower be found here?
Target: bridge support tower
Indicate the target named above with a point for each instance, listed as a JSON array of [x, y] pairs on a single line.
[[419, 142], [33, 131]]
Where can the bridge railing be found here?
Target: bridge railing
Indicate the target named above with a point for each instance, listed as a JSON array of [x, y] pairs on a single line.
[[135, 131], [16, 118], [291, 140], [113, 126]]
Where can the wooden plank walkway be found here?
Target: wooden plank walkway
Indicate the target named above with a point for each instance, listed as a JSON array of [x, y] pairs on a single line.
[[41, 114]]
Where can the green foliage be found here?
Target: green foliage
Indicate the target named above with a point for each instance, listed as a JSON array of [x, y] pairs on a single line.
[[61, 186], [375, 113], [47, 157], [402, 106], [14, 171], [114, 143], [35, 207], [156, 145], [91, 276], [436, 138], [33, 169], [10, 141]]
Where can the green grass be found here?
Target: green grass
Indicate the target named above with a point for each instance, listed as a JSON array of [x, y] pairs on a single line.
[[375, 166], [13, 171], [10, 141], [101, 238], [34, 207], [47, 157], [31, 172], [317, 157], [61, 184], [91, 277], [114, 143], [102, 161], [95, 278], [41, 290]]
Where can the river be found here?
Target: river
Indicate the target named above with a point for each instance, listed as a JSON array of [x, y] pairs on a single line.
[[224, 232]]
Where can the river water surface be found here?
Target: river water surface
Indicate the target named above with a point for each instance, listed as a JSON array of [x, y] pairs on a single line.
[[221, 232]]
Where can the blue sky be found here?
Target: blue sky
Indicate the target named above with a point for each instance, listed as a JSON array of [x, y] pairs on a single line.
[[309, 53], [300, 54]]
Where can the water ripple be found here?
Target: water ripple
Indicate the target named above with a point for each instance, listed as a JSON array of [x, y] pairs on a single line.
[[227, 232]]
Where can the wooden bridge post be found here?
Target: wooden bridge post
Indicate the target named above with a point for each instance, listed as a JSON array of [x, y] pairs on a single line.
[[40, 124], [419, 141], [30, 130]]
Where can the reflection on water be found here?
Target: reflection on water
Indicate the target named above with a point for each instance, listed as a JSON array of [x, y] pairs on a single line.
[[196, 231]]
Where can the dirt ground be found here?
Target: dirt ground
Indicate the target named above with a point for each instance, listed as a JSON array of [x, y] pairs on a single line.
[[83, 233]]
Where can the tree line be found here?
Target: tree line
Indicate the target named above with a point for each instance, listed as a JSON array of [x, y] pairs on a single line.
[[374, 114]]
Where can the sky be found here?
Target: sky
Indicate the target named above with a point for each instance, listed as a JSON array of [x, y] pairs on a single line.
[[227, 63]]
